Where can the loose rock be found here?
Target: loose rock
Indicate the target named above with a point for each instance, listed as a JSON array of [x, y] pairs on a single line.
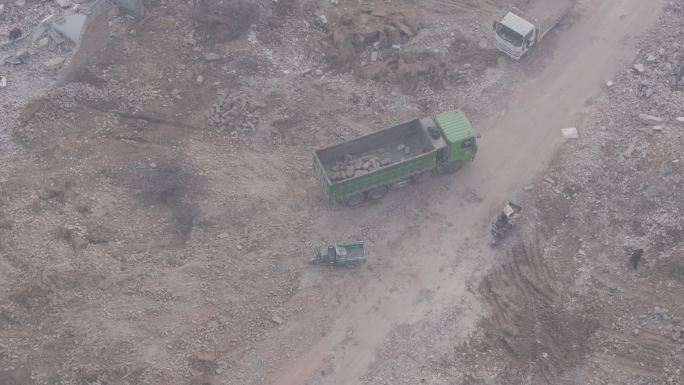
[[639, 68], [53, 63], [650, 119], [210, 56]]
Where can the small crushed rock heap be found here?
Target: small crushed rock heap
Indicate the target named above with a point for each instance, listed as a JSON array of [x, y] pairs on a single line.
[[360, 165], [234, 114]]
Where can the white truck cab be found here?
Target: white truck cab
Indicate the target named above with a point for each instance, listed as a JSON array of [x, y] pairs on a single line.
[[518, 31], [515, 35]]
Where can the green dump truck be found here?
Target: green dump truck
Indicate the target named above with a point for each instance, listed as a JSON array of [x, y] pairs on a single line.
[[369, 166]]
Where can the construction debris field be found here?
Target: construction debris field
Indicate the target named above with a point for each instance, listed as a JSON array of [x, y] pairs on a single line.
[[158, 208]]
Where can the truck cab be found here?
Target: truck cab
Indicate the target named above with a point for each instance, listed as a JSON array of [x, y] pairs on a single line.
[[515, 35]]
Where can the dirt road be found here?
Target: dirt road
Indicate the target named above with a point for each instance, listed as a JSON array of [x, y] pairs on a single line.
[[516, 144]]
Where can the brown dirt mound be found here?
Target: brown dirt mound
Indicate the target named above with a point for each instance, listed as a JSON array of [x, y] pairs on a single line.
[[352, 35], [407, 70], [224, 20]]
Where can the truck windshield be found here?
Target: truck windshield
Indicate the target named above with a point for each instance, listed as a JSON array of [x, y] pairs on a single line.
[[509, 35]]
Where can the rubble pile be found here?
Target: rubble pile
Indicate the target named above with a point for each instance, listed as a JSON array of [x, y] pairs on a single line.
[[370, 34], [361, 165], [234, 114]]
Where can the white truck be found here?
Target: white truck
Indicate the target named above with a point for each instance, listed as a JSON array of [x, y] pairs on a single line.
[[518, 31]]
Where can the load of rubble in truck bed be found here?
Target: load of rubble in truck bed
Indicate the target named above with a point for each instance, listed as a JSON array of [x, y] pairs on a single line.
[[360, 165]]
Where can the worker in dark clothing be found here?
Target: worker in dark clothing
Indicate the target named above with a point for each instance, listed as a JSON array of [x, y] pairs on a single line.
[[14, 34], [636, 257]]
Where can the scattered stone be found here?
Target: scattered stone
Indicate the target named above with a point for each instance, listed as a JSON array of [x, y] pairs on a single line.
[[529, 187], [639, 68], [407, 150], [76, 236], [400, 147], [650, 119], [19, 57], [63, 3], [211, 56], [635, 331], [277, 320], [319, 72], [680, 120], [3, 82], [658, 128], [223, 236], [630, 149], [20, 3], [348, 157], [350, 171], [550, 180], [42, 43], [200, 79], [610, 84], [374, 56], [650, 59], [56, 37], [569, 133], [53, 63], [2, 8]]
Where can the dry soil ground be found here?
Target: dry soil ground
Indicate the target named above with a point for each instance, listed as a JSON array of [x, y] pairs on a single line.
[[158, 213]]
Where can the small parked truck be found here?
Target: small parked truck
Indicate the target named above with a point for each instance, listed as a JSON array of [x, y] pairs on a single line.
[[369, 166], [518, 31], [341, 254]]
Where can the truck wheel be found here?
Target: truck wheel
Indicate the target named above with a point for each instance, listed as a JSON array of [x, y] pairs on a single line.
[[355, 200], [452, 167], [377, 193]]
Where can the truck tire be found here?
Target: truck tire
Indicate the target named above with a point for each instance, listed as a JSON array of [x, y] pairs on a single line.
[[422, 177], [355, 200], [377, 193], [452, 167]]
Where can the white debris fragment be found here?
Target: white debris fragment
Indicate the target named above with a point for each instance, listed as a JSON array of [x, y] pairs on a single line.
[[650, 119], [570, 133], [53, 63]]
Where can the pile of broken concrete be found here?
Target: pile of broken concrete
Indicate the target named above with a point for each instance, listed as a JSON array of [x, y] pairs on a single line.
[[234, 115], [353, 166]]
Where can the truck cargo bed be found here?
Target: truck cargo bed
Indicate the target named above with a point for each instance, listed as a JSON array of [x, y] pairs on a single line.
[[548, 12], [377, 159], [387, 146]]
